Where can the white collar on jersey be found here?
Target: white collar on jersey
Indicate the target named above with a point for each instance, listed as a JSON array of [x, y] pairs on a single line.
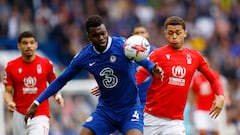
[[108, 45]]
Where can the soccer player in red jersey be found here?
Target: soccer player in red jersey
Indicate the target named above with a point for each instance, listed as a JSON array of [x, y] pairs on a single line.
[[201, 98], [166, 98], [25, 78]]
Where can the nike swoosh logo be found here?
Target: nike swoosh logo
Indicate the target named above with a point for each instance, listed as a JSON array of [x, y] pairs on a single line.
[[91, 64]]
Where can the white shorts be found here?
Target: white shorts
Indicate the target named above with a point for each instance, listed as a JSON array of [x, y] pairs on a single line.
[[162, 126], [38, 125], [202, 120]]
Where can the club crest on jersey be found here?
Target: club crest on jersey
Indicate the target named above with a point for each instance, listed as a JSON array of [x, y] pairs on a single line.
[[168, 56], [189, 59], [113, 58], [20, 70], [39, 68]]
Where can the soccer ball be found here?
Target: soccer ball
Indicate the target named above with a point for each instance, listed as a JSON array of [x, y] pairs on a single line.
[[136, 47]]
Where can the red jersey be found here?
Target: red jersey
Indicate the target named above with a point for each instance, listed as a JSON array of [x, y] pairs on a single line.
[[29, 80], [203, 92], [168, 98]]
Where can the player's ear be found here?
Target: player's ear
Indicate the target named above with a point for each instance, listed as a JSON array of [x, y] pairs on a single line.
[[36, 44], [89, 38], [185, 33], [18, 46], [165, 34]]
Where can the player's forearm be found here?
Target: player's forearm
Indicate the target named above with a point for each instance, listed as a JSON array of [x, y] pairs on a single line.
[[11, 105], [141, 75], [217, 87], [8, 98]]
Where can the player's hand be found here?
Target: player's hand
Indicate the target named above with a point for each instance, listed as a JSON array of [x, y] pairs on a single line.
[[95, 91], [32, 110], [58, 97], [217, 106], [157, 70], [11, 106]]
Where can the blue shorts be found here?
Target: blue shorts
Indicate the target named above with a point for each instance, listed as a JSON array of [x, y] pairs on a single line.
[[105, 120]]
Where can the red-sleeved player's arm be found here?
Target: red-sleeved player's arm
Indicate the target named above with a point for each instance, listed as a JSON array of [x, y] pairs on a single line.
[[141, 75]]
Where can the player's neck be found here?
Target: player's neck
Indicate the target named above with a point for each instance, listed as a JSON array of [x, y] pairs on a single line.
[[28, 58]]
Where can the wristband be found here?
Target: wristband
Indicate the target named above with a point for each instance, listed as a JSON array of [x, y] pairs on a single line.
[[36, 102]]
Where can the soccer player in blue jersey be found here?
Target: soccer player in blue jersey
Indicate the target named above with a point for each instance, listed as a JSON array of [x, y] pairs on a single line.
[[141, 30], [119, 105]]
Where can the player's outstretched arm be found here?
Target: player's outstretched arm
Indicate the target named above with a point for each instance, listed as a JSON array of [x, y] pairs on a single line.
[[32, 110], [217, 106]]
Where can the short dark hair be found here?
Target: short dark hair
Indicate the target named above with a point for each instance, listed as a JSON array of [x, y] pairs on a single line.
[[139, 25], [174, 20], [93, 21], [26, 34]]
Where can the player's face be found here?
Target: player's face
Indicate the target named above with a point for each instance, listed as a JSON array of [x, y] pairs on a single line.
[[142, 31], [175, 35], [28, 46], [99, 37]]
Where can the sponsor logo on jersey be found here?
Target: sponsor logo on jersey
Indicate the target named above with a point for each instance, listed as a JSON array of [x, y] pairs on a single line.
[[91, 63], [30, 83], [135, 116], [168, 56], [178, 73], [110, 79]]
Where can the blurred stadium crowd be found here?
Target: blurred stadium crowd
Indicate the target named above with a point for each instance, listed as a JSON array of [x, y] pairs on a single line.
[[213, 28]]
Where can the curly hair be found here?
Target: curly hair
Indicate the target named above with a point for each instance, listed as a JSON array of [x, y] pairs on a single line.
[[93, 21]]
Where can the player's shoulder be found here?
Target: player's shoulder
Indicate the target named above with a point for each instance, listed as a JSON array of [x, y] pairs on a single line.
[[41, 58], [85, 51], [14, 61], [191, 50], [160, 50], [195, 54], [118, 40]]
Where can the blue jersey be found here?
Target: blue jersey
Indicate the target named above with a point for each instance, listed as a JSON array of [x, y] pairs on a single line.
[[113, 71]]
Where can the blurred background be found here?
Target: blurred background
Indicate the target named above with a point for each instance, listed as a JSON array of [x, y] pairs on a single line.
[[213, 28]]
